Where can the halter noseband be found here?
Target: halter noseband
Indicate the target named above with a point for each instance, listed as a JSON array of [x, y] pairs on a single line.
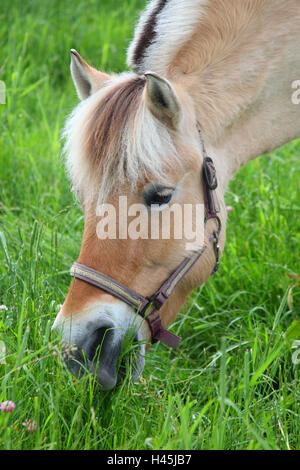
[[149, 307]]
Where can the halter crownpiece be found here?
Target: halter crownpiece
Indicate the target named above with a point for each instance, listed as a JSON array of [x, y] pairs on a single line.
[[149, 307]]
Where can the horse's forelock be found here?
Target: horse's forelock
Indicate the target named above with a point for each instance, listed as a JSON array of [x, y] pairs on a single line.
[[110, 118], [113, 139]]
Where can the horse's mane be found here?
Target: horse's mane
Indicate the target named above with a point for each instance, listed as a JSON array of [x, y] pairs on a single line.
[[112, 139], [164, 27]]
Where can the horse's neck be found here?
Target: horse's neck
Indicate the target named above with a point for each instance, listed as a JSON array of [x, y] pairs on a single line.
[[239, 68]]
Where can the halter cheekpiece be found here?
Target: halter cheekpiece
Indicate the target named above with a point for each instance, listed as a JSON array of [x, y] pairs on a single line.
[[149, 307]]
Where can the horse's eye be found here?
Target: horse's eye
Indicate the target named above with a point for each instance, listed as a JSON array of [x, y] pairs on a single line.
[[157, 195]]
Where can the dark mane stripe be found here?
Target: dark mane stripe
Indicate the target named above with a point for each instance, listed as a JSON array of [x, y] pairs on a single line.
[[109, 119], [148, 33]]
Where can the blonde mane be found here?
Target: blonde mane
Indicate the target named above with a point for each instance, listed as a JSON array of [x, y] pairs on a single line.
[[112, 139]]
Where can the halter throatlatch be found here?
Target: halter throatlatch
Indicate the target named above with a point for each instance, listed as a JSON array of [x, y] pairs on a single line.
[[149, 307]]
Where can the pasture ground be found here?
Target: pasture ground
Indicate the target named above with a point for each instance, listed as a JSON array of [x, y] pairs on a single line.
[[232, 384]]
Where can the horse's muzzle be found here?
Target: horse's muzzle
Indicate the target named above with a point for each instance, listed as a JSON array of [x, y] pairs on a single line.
[[104, 349], [108, 356]]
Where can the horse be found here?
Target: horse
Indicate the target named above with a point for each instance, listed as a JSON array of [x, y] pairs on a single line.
[[210, 87]]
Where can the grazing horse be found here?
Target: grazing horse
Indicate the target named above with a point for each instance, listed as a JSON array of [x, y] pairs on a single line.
[[208, 78]]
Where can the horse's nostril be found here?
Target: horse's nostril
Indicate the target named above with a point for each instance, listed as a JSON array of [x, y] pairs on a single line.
[[98, 343]]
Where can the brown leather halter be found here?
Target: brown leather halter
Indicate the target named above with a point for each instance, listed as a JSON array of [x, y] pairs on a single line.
[[149, 307]]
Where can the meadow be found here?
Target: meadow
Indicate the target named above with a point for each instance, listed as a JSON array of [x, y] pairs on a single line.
[[233, 383]]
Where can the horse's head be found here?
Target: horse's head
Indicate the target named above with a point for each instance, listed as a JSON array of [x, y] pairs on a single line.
[[135, 159]]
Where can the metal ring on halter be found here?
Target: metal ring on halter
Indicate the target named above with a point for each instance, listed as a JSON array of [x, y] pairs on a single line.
[[217, 218], [215, 239]]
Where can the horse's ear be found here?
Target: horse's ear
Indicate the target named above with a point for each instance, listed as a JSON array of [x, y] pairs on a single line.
[[162, 100], [86, 79]]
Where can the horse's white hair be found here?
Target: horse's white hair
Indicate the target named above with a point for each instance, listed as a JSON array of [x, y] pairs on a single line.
[[136, 145], [170, 23]]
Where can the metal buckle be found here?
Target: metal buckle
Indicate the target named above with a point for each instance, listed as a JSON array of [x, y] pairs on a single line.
[[210, 174], [217, 251], [214, 237]]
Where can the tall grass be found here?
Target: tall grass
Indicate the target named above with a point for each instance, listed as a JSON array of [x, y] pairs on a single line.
[[232, 384]]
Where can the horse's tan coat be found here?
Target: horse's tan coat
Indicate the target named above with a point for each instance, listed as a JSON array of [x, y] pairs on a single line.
[[234, 75]]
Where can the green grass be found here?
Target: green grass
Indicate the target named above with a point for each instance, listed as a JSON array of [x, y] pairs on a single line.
[[232, 383]]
